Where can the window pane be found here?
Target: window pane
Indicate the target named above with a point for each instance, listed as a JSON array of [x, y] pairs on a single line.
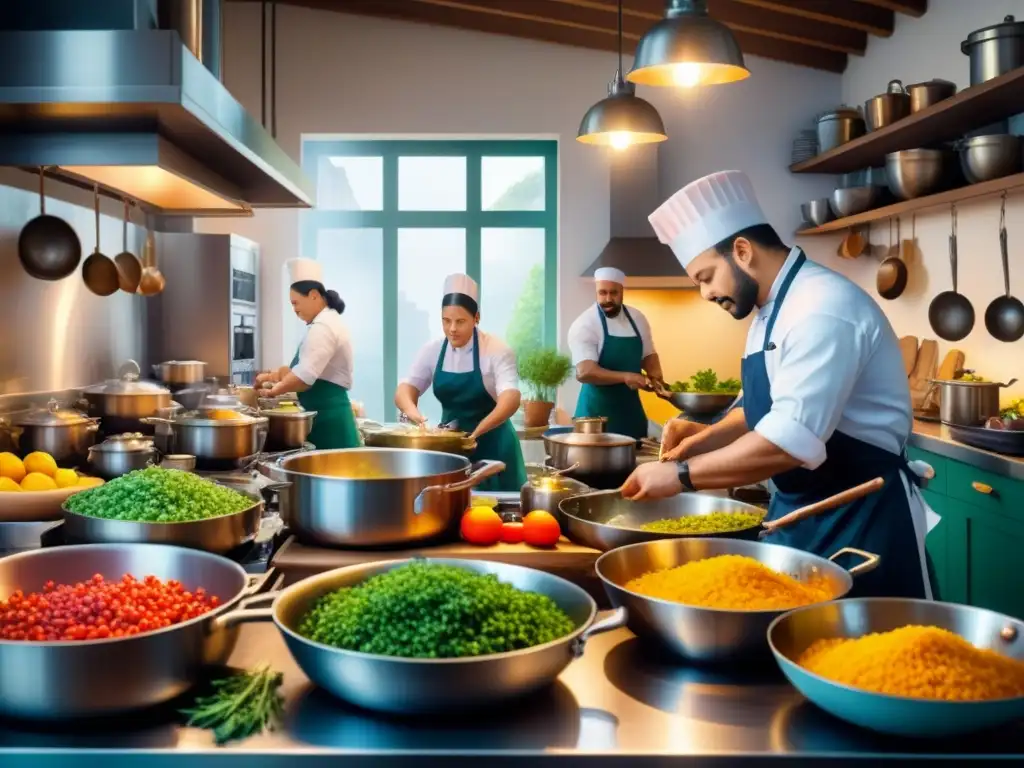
[[512, 285], [350, 183], [512, 184], [353, 264], [425, 258], [431, 183]]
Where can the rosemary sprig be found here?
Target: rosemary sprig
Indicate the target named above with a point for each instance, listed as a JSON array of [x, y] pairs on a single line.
[[241, 706]]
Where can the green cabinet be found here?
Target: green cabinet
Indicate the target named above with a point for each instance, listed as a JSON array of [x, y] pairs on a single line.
[[976, 546]]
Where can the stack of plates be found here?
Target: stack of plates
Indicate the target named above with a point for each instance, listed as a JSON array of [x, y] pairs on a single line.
[[805, 146]]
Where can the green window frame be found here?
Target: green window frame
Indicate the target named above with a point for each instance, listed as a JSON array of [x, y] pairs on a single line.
[[390, 219]]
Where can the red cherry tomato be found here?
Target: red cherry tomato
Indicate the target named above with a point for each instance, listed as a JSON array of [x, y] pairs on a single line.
[[512, 533], [481, 525], [541, 529]]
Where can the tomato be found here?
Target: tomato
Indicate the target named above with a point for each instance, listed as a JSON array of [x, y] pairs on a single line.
[[481, 525], [541, 529], [512, 533]]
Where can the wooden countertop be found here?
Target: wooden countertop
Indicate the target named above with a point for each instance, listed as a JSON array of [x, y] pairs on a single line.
[[935, 437]]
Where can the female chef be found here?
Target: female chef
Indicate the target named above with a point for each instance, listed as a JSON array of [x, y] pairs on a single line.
[[321, 371], [475, 379]]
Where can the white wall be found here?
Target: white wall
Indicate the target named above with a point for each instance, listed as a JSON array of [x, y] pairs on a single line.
[[922, 49], [350, 74]]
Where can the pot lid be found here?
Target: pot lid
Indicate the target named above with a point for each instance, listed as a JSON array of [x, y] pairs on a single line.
[[1008, 27], [129, 442], [127, 386], [933, 81], [53, 416], [840, 112]]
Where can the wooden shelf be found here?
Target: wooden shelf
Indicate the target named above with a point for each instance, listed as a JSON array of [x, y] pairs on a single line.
[[983, 189], [972, 108]]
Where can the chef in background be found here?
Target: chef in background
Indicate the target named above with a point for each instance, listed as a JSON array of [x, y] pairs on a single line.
[[826, 405], [475, 379], [321, 371], [614, 355]]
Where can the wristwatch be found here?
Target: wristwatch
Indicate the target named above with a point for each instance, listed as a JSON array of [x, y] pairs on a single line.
[[683, 470]]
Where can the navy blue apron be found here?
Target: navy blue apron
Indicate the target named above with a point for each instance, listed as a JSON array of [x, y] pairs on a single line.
[[880, 523]]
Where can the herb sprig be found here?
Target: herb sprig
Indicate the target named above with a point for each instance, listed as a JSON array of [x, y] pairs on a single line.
[[242, 705]]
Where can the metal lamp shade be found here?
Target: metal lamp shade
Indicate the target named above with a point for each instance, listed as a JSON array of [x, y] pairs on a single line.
[[621, 120], [687, 49]]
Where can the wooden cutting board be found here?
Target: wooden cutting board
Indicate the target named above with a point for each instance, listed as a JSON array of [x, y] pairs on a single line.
[[951, 363], [924, 369], [908, 346]]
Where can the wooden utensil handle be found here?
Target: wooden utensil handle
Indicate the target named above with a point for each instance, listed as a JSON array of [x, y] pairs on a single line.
[[851, 494]]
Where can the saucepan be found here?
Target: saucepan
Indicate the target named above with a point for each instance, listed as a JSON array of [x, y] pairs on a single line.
[[589, 454]]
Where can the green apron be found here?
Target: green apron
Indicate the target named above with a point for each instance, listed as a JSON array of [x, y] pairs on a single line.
[[463, 397], [335, 424], [616, 402]]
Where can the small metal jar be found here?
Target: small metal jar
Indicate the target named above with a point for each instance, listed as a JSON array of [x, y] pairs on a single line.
[[65, 434], [545, 492], [589, 425], [121, 454]]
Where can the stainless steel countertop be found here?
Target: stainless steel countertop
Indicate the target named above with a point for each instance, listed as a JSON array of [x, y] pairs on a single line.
[[934, 437], [623, 704]]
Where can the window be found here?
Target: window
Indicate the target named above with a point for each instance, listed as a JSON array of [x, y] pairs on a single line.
[[394, 217]]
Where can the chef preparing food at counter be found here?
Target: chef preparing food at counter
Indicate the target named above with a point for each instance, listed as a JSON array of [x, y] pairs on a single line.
[[614, 355], [475, 379], [825, 406], [321, 371]]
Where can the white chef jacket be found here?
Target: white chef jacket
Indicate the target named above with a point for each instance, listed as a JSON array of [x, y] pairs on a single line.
[[586, 336], [497, 364], [326, 351], [837, 366]]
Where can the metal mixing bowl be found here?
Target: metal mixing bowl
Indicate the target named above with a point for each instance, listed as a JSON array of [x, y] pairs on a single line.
[[984, 158], [711, 634], [916, 172], [850, 201], [701, 403], [816, 212], [791, 634]]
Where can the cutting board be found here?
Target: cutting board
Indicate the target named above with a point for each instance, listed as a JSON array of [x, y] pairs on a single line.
[[924, 369], [908, 347], [951, 363]]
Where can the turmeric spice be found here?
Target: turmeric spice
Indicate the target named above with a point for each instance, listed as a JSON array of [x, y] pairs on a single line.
[[731, 582], [917, 662]]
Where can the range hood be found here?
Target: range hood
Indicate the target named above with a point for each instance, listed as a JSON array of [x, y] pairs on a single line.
[[133, 109], [633, 248]]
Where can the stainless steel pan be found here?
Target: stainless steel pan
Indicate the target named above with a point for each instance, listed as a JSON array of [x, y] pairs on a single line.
[[708, 634], [413, 438], [420, 686], [216, 439], [63, 680], [590, 453]]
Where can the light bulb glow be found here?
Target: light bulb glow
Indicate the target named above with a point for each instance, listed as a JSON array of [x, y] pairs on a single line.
[[686, 75], [621, 140]]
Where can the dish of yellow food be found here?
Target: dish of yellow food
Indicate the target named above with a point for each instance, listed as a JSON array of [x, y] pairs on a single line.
[[916, 662], [38, 472], [731, 582]]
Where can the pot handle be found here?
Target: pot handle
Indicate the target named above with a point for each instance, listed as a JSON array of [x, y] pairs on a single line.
[[245, 613], [871, 561], [153, 420], [481, 470], [616, 620], [896, 86], [256, 583]]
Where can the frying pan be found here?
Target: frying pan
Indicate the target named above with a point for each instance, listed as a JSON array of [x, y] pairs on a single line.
[[950, 313], [1004, 317], [48, 247], [129, 270], [891, 279], [99, 272]]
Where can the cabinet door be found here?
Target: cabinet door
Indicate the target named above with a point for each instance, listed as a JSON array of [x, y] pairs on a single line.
[[995, 546], [947, 548]]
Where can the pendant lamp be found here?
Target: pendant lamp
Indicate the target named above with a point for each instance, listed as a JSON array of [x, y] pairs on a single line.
[[687, 48], [622, 119]]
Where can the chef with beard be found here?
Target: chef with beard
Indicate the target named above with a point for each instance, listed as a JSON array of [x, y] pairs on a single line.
[[614, 355], [825, 404]]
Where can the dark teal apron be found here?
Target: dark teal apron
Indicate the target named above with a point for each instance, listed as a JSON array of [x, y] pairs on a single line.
[[335, 424], [880, 523], [463, 397], [616, 402]]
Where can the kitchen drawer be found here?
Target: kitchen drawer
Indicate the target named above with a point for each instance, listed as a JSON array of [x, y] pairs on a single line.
[[985, 490], [938, 463]]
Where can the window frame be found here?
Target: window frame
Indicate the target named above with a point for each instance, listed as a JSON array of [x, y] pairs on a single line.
[[473, 220]]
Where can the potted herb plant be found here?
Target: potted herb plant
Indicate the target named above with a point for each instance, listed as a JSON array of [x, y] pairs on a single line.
[[542, 371]]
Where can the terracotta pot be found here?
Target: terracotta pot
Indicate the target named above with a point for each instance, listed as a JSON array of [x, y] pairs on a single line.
[[537, 412]]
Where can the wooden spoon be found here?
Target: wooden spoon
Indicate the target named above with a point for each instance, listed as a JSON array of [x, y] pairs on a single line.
[[845, 497]]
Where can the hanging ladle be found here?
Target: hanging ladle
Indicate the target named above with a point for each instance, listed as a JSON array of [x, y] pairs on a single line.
[[950, 313], [1004, 317], [891, 279], [98, 271]]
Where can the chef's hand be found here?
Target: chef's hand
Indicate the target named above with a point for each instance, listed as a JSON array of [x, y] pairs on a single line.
[[637, 381], [673, 438], [267, 377], [416, 418], [655, 480]]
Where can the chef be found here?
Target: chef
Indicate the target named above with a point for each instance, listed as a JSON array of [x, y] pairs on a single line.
[[475, 379], [614, 356], [321, 371], [825, 403]]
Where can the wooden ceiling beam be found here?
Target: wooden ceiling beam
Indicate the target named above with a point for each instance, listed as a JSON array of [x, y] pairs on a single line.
[[915, 8], [867, 18]]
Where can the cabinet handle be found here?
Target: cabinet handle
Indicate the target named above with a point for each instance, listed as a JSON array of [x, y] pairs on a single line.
[[988, 490]]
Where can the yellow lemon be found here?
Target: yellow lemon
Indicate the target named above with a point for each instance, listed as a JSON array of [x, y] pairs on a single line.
[[6, 484], [65, 478], [11, 467], [40, 462], [89, 482], [37, 481]]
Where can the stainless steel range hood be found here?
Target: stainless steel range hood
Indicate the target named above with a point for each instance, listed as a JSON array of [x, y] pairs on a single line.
[[633, 248], [137, 112]]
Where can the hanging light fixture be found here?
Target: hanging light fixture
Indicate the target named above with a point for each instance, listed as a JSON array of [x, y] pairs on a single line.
[[622, 119], [687, 48]]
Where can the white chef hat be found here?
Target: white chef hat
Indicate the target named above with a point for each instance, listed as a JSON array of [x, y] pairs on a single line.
[[461, 290], [300, 270], [705, 212], [611, 274]]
